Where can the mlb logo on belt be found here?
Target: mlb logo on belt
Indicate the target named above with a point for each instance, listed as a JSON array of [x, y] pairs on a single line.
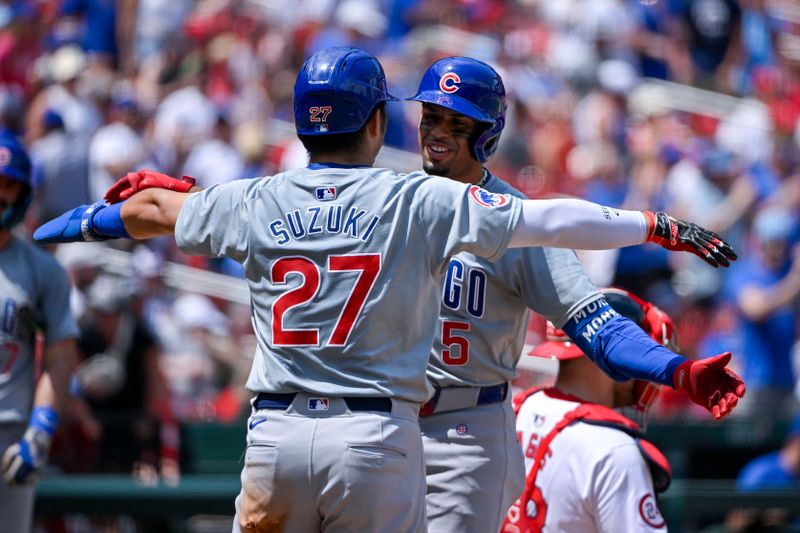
[[318, 404], [326, 193]]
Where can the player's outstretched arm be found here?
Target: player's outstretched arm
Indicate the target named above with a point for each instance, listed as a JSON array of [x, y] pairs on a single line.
[[622, 350], [578, 224], [147, 214], [152, 212]]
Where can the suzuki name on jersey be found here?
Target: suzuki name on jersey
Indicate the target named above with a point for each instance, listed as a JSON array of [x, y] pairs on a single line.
[[331, 219]]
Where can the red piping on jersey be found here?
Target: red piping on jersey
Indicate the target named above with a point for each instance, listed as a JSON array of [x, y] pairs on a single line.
[[590, 413]]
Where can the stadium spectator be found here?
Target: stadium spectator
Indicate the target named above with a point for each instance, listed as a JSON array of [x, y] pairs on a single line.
[[61, 166], [117, 146], [775, 470], [766, 285], [122, 383], [779, 469]]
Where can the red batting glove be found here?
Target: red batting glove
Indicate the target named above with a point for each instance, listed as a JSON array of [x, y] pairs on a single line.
[[682, 236], [710, 384], [134, 182]]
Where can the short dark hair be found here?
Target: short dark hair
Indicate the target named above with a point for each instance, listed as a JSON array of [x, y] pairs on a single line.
[[341, 142]]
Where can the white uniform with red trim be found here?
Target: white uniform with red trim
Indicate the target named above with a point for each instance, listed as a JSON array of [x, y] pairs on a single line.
[[593, 478]]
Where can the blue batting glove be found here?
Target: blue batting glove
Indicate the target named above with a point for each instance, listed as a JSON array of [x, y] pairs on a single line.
[[95, 222], [72, 226], [22, 461]]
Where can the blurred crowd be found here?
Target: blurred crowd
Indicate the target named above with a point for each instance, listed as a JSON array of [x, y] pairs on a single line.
[[690, 106]]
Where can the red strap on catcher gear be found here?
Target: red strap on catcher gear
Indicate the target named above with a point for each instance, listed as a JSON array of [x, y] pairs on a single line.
[[520, 397], [530, 509]]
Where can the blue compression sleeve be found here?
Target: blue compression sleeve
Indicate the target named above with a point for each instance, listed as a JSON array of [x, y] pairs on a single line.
[[108, 221], [620, 347]]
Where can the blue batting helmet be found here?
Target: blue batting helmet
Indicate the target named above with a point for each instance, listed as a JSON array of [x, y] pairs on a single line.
[[472, 88], [336, 90], [15, 165]]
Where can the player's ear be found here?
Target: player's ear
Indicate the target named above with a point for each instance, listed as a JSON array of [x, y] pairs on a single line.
[[378, 120]]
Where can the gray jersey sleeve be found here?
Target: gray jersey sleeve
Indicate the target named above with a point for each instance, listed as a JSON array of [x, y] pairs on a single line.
[[481, 223], [550, 281], [493, 300], [215, 222]]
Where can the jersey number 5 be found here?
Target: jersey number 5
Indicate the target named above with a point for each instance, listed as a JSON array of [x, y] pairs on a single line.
[[367, 265], [450, 338]]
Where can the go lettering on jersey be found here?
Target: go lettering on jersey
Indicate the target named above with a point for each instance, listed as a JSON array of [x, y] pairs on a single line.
[[331, 219], [462, 286]]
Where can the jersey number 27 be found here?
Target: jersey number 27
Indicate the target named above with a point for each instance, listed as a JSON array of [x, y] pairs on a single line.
[[367, 265]]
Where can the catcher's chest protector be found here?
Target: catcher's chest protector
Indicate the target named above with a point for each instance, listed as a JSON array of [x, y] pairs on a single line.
[[530, 516]]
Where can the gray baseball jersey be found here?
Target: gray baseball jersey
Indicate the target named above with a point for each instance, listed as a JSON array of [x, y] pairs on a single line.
[[344, 267], [34, 293], [493, 301], [325, 248], [474, 466]]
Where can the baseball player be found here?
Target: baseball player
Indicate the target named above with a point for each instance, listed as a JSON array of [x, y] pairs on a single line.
[[34, 296], [344, 263], [610, 485], [472, 458]]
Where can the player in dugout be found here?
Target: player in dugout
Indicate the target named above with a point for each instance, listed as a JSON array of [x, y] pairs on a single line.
[[331, 253]]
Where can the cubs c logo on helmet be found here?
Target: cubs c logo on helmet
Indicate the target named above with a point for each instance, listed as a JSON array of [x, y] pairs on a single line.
[[447, 83], [486, 198]]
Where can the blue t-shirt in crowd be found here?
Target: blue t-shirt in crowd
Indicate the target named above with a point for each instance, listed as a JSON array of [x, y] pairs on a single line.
[[99, 34], [766, 472], [764, 180], [766, 345]]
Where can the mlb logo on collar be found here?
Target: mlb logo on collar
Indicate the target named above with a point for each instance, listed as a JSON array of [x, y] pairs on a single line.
[[326, 194], [318, 404]]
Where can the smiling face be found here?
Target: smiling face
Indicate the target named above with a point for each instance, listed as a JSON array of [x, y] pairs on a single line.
[[444, 139]]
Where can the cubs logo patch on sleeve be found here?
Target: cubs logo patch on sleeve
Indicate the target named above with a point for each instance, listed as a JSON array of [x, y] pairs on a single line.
[[486, 198]]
